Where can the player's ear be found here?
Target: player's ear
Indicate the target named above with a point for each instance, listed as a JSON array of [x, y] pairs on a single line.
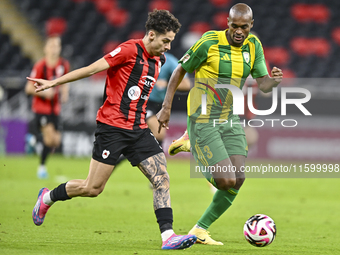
[[252, 23], [152, 35]]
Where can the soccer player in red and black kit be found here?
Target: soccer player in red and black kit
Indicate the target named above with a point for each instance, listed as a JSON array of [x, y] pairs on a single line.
[[46, 105], [132, 70]]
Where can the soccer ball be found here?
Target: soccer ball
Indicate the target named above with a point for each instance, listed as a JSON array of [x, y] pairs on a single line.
[[259, 230]]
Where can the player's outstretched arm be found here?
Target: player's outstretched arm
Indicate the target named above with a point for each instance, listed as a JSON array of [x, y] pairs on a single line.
[[163, 115], [98, 66], [267, 83]]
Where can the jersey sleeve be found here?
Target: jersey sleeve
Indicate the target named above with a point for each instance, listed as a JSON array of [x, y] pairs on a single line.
[[197, 54], [120, 55], [260, 67]]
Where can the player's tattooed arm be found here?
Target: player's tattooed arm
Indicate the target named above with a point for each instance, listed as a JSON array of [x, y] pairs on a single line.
[[154, 168]]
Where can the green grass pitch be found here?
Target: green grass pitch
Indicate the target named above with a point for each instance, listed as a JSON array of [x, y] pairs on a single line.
[[121, 219]]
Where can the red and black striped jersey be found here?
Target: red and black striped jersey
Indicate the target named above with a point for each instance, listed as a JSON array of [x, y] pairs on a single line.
[[129, 82], [42, 71]]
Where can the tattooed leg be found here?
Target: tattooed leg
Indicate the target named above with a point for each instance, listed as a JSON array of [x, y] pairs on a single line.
[[154, 168]]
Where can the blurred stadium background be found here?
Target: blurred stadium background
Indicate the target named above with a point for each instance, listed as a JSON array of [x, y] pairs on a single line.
[[300, 37]]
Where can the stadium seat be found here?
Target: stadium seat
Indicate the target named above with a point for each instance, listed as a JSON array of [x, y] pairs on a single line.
[[199, 27], [277, 55], [221, 3], [296, 31], [220, 20], [336, 35], [117, 17], [160, 5], [55, 26]]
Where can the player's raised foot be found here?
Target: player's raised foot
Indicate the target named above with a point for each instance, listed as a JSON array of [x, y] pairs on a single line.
[[203, 236], [40, 209], [181, 144], [177, 242], [42, 172]]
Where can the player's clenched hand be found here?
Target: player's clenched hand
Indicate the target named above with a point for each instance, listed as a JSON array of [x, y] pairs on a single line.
[[277, 74], [163, 117], [40, 84]]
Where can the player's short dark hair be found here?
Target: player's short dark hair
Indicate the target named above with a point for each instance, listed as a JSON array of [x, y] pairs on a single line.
[[162, 21]]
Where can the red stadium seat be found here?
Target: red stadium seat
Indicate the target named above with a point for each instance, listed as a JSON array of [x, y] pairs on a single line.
[[277, 55], [117, 17], [110, 46], [309, 46], [104, 6], [320, 13], [220, 3], [300, 12], [160, 5], [137, 35], [199, 27], [321, 47], [336, 35], [310, 12], [221, 20], [301, 46], [55, 26]]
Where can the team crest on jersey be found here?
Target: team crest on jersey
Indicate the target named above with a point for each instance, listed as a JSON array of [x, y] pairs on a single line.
[[246, 56], [134, 92], [115, 52], [185, 58], [105, 154]]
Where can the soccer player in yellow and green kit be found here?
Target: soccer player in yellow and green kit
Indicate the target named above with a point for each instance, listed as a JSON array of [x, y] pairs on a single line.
[[220, 57]]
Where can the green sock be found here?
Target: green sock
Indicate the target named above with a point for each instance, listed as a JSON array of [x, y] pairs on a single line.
[[222, 200]]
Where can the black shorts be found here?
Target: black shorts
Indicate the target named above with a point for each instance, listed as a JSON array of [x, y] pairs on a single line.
[[42, 120], [136, 145], [152, 109]]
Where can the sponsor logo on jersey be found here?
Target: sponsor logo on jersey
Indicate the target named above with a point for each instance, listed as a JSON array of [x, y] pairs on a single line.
[[148, 81], [134, 92], [115, 52], [105, 154]]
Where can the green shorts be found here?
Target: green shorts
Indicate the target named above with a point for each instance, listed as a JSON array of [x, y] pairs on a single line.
[[212, 143]]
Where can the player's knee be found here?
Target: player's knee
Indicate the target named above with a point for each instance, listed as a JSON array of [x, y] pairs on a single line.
[[161, 181], [225, 183]]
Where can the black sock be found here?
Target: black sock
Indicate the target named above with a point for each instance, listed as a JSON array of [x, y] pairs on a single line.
[[164, 218], [46, 150], [59, 193]]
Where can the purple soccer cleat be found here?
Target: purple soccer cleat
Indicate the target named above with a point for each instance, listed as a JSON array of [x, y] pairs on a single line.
[[40, 209], [179, 242]]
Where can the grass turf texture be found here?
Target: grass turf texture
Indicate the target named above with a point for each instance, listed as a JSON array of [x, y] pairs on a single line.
[[121, 219]]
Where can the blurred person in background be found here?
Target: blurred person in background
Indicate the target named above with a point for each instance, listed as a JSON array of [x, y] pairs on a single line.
[[46, 105], [132, 70], [224, 57]]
